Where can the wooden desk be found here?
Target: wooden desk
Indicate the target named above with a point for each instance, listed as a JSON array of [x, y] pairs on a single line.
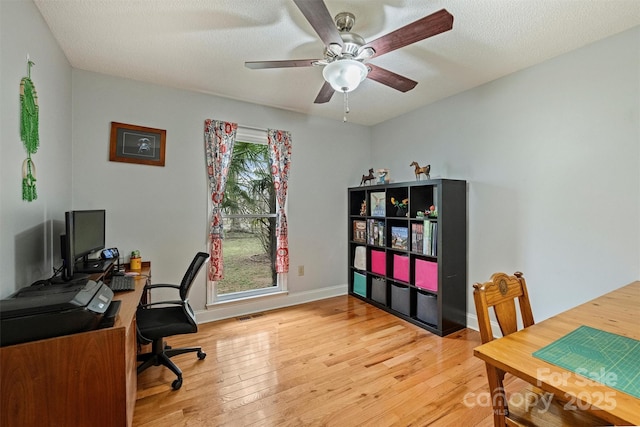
[[617, 312], [83, 379]]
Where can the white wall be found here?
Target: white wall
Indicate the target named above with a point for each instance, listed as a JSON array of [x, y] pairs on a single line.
[[29, 243], [162, 210], [551, 159]]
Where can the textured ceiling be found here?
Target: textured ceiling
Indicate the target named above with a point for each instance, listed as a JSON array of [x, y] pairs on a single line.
[[201, 45]]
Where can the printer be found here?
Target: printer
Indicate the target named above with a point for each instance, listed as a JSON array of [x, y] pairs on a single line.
[[38, 312]]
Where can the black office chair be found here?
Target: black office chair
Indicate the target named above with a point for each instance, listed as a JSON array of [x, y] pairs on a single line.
[[172, 317]]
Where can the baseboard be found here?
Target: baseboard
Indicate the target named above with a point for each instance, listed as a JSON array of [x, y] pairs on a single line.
[[472, 323], [267, 302]]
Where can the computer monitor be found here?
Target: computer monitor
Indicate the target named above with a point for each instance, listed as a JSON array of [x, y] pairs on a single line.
[[85, 234]]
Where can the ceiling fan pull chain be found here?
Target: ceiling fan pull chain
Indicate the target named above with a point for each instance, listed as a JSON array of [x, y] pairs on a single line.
[[346, 106]]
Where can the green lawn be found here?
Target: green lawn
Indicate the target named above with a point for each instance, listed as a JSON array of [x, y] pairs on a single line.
[[246, 264]]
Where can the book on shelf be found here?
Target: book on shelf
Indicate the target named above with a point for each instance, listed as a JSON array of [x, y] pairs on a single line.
[[360, 258], [417, 237], [430, 238], [378, 204], [360, 231], [434, 239], [375, 232], [399, 238]]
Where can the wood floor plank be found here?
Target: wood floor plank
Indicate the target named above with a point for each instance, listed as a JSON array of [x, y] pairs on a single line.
[[335, 362]]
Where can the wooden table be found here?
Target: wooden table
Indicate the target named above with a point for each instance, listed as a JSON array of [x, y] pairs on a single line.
[[83, 379], [617, 312]]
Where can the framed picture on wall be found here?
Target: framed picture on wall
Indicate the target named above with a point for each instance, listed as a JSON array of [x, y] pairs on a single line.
[[137, 144]]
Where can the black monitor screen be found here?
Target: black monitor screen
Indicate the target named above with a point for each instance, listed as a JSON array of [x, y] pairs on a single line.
[[88, 232]]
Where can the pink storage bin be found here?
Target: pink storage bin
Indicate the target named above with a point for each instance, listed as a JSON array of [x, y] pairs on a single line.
[[401, 267], [427, 275], [378, 262]]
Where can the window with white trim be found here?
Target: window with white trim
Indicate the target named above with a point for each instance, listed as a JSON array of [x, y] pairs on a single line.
[[249, 221]]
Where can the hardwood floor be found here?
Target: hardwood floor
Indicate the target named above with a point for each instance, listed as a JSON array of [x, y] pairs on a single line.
[[335, 362]]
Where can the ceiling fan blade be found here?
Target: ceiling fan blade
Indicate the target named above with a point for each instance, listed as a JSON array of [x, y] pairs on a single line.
[[391, 79], [325, 94], [429, 26], [320, 19], [258, 65]]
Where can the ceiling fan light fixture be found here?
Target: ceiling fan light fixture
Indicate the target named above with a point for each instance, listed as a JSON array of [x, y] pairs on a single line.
[[345, 75], [334, 49], [365, 53]]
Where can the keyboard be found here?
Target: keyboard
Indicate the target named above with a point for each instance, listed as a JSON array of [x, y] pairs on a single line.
[[122, 283]]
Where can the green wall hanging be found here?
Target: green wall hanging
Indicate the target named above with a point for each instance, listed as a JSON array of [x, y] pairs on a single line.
[[29, 133]]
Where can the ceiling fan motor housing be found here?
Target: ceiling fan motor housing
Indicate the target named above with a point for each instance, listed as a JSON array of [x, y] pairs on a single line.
[[352, 44]]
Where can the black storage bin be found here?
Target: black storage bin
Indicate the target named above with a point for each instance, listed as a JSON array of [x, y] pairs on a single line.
[[379, 290], [427, 308], [400, 299]]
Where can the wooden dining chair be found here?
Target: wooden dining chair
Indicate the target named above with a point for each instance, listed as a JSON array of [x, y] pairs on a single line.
[[525, 407]]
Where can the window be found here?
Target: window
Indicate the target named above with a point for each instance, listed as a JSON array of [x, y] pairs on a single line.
[[249, 211]]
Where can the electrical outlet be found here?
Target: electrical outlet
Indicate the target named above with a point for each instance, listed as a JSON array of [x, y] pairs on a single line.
[[301, 270]]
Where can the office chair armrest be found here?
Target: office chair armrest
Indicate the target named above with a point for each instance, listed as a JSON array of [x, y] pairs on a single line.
[[147, 305], [161, 285]]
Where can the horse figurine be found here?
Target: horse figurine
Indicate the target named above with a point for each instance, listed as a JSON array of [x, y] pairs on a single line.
[[366, 178], [418, 170]]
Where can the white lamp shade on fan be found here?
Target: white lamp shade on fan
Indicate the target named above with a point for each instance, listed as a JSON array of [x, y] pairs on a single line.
[[344, 75]]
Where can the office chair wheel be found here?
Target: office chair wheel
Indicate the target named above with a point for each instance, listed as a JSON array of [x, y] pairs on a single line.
[[177, 384], [202, 355]]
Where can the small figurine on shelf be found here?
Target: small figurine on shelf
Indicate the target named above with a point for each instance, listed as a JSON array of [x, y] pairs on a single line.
[[421, 170], [401, 206], [383, 176], [368, 178], [363, 208], [432, 212]]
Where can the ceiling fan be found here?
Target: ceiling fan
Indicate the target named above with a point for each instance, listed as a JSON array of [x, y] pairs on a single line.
[[346, 53]]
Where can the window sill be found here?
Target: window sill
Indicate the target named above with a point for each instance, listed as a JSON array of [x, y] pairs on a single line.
[[250, 298]]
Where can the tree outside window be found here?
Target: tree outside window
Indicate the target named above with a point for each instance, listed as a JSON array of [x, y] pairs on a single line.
[[249, 211]]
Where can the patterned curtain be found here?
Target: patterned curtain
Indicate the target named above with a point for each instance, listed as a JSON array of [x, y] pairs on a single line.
[[219, 138], [280, 154]]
